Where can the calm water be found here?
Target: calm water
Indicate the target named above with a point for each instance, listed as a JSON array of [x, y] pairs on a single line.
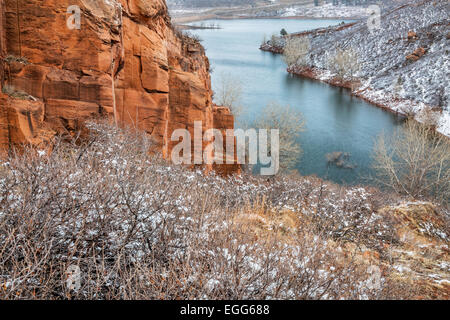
[[335, 121]]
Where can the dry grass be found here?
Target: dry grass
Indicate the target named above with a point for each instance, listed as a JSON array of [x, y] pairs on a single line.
[[17, 94]]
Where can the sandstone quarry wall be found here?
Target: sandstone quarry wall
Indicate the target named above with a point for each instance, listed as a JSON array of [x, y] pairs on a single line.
[[125, 62]]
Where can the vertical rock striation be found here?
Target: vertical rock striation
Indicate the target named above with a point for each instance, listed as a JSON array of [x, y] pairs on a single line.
[[126, 62]]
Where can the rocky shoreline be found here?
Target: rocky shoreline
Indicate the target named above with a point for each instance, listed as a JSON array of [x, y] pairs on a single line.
[[390, 105]]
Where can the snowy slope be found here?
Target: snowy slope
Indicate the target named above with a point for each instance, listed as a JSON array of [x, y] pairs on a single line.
[[388, 76]]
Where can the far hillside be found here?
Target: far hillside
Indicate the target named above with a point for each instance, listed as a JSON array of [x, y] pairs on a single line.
[[212, 3], [399, 62]]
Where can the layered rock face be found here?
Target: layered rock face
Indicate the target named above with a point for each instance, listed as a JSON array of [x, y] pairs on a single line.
[[124, 62]]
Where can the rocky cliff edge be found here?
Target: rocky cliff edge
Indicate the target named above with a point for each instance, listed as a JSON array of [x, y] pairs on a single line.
[[125, 62]]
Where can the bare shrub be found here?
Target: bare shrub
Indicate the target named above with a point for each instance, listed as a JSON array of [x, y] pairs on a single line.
[[273, 39], [188, 38], [296, 51], [415, 162], [140, 229], [14, 93], [408, 110], [11, 59], [196, 38]]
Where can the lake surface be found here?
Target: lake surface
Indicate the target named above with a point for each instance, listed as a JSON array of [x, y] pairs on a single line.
[[335, 121]]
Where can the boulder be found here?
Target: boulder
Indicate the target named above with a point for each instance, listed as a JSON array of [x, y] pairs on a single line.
[[417, 54], [412, 36]]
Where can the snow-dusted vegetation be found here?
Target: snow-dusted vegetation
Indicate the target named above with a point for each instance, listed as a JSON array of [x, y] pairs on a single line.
[[327, 10], [209, 3], [139, 228], [404, 63], [342, 9]]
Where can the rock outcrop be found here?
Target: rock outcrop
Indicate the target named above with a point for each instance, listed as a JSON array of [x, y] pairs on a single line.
[[416, 55], [125, 62], [412, 36]]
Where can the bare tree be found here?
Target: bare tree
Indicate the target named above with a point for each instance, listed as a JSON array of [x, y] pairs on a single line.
[[344, 63], [428, 117], [264, 39], [415, 162], [296, 50], [229, 93], [290, 123], [274, 39]]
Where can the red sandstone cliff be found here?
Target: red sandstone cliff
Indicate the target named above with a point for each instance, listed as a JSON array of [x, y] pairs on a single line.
[[126, 62]]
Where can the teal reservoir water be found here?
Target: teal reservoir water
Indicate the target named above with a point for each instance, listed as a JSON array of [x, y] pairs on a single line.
[[335, 120]]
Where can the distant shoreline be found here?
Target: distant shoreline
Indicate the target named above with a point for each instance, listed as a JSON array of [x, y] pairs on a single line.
[[184, 20], [317, 75]]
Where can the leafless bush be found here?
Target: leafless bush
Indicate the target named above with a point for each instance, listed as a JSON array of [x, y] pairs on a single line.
[[344, 63], [11, 59], [18, 94], [415, 162], [140, 229], [188, 37], [264, 40]]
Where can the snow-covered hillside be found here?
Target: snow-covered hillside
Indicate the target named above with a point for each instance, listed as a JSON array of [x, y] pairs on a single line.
[[403, 64], [327, 10], [210, 3]]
